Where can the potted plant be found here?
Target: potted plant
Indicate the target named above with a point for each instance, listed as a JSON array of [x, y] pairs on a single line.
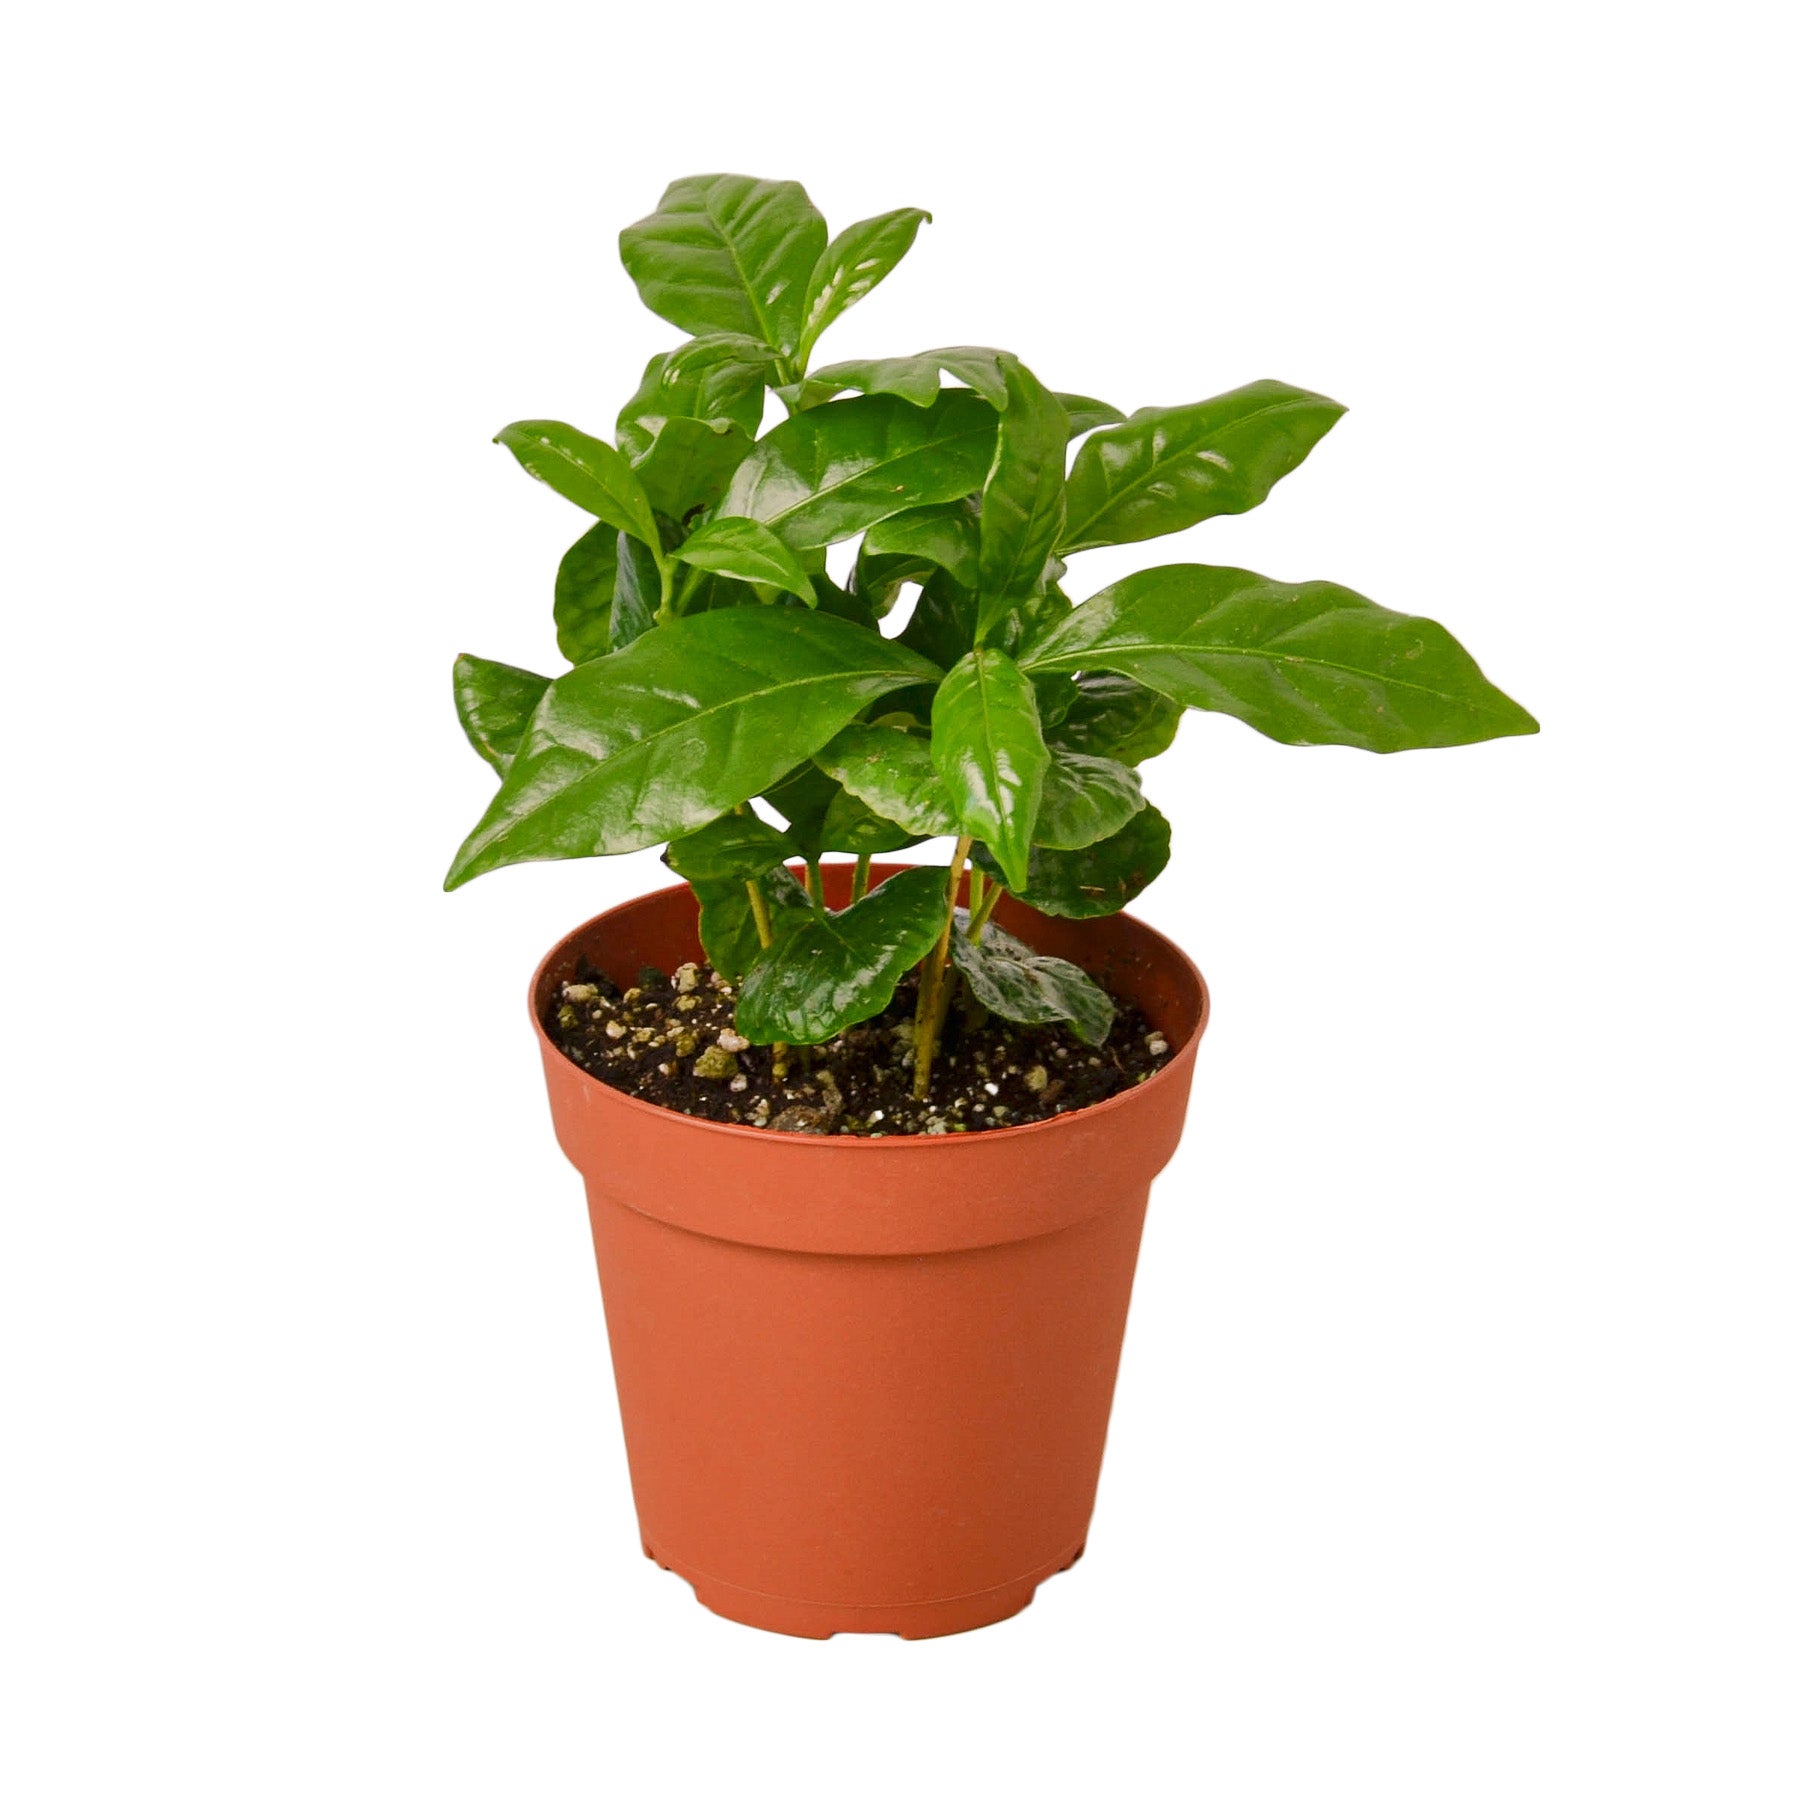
[[867, 1146]]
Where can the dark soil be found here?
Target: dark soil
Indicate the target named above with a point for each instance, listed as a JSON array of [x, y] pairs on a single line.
[[669, 1040]]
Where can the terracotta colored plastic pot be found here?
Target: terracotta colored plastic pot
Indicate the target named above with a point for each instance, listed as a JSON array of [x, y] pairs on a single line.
[[865, 1381]]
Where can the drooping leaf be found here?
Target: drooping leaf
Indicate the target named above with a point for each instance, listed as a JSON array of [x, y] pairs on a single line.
[[1022, 501], [637, 592], [1112, 715], [732, 392], [989, 751], [1088, 415], [832, 472], [733, 847], [1087, 884], [728, 931], [834, 970], [947, 536], [748, 551], [689, 463], [855, 261], [495, 702], [1086, 798], [584, 594], [583, 469], [853, 828], [727, 253], [1013, 980], [1168, 467], [1303, 662], [690, 720], [892, 772], [918, 378]]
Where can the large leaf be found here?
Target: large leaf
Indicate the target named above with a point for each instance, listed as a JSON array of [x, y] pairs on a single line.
[[1168, 467], [917, 378], [727, 253], [989, 750], [584, 594], [583, 469], [732, 848], [689, 463], [892, 772], [728, 931], [947, 536], [1304, 662], [495, 702], [835, 969], [832, 472], [1086, 798], [637, 592], [748, 551], [1022, 502], [1086, 884], [690, 720], [1112, 715], [727, 391], [1011, 979], [855, 261]]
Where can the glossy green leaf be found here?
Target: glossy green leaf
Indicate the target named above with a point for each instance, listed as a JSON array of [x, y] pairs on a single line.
[[748, 551], [803, 797], [918, 378], [989, 751], [832, 472], [1087, 884], [689, 463], [637, 592], [1168, 467], [721, 348], [1088, 415], [853, 828], [1112, 715], [854, 263], [495, 702], [731, 392], [835, 969], [1025, 621], [947, 536], [891, 772], [942, 626], [1022, 501], [584, 594], [728, 931], [1086, 798], [727, 253], [1013, 980], [733, 847], [1303, 662], [583, 469], [690, 720]]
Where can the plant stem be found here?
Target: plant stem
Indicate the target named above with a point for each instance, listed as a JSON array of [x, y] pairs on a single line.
[[983, 910], [815, 883], [765, 935], [977, 888], [859, 882], [927, 1018], [665, 571]]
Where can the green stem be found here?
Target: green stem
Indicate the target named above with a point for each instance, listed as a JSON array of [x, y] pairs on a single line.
[[765, 935], [983, 910], [815, 882], [927, 1017], [665, 570], [859, 882]]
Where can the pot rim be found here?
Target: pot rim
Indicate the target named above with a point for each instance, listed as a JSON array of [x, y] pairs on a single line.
[[1184, 1053]]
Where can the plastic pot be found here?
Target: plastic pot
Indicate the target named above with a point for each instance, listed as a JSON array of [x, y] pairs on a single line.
[[865, 1382]]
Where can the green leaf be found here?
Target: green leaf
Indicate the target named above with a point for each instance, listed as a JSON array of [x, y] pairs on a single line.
[[989, 751], [1086, 884], [947, 536], [727, 253], [583, 469], [803, 797], [918, 378], [1303, 662], [728, 932], [690, 720], [1088, 415], [855, 829], [942, 626], [832, 472], [728, 391], [733, 847], [717, 348], [689, 463], [584, 594], [1168, 467], [748, 551], [1112, 715], [1011, 979], [495, 702], [891, 772], [637, 592], [854, 263], [1022, 502], [834, 970], [1086, 798]]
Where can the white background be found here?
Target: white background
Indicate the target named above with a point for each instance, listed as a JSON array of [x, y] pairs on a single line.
[[1455, 1447]]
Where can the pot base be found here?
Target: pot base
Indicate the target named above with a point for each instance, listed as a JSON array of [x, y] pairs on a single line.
[[920, 1619]]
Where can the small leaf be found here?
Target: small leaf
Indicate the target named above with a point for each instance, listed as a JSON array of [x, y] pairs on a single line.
[[1087, 884], [1088, 415], [689, 464], [637, 592], [721, 392], [1022, 502], [1168, 467], [727, 253], [584, 594], [947, 536], [853, 828], [834, 970], [728, 932], [918, 378], [1011, 979], [1112, 715], [733, 847], [1086, 798], [716, 348], [855, 261], [891, 772], [750, 552], [495, 702], [989, 750], [803, 797], [583, 469], [1303, 662], [942, 626]]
